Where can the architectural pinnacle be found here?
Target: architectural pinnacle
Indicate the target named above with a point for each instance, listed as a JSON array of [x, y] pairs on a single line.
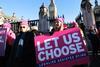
[[96, 3]]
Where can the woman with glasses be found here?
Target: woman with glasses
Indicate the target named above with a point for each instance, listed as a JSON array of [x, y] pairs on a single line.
[[16, 59]]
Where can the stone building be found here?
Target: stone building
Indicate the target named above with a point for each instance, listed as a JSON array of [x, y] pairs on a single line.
[[87, 14], [46, 15], [97, 13], [52, 10], [94, 12], [43, 24]]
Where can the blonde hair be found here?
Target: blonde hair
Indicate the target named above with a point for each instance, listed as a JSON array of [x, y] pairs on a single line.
[[62, 27]]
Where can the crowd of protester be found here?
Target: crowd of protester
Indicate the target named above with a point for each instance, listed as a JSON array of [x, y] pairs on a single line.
[[20, 51]]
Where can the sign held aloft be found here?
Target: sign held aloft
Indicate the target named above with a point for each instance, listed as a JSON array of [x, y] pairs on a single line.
[[61, 49]]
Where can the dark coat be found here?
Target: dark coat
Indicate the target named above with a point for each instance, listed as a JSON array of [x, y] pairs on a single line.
[[27, 56], [29, 50], [13, 58]]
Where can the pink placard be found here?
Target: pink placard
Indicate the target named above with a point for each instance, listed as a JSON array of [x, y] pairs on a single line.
[[2, 41], [61, 49]]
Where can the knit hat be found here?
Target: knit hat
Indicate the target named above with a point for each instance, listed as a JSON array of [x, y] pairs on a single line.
[[59, 19], [7, 25], [24, 22]]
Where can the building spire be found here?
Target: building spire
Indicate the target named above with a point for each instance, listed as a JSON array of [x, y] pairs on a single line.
[[43, 5], [52, 1], [96, 3], [52, 9], [13, 15]]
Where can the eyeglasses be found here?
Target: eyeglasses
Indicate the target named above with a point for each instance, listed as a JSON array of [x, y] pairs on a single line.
[[22, 27], [1, 26]]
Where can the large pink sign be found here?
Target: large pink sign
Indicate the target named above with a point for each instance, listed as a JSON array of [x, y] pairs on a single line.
[[2, 41], [61, 49]]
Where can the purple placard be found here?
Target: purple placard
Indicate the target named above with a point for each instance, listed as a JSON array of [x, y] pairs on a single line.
[[3, 36]]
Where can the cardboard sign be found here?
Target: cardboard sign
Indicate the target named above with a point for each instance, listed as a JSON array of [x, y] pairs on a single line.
[[61, 49], [2, 41]]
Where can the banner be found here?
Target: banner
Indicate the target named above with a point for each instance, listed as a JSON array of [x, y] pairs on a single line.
[[61, 49], [2, 41]]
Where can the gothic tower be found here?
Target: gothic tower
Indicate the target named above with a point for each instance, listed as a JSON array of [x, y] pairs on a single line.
[[52, 10], [87, 13], [96, 3], [97, 13], [43, 25]]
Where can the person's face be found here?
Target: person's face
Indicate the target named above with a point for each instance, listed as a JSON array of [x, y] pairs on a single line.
[[57, 24], [23, 28]]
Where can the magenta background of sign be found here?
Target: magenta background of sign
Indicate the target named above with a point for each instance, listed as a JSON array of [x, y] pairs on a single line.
[[82, 60]]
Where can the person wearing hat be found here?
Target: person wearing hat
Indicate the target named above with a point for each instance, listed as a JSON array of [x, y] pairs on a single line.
[[16, 59], [10, 40], [58, 25], [29, 55], [10, 34], [24, 26]]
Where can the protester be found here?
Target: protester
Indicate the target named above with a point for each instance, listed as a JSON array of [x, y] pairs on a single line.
[[9, 42], [1, 24], [58, 25], [16, 58], [1, 57], [29, 47], [24, 26]]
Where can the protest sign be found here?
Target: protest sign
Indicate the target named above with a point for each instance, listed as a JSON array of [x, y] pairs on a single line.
[[61, 49], [2, 41]]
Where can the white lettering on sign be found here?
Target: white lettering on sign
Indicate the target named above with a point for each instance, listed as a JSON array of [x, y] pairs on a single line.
[[71, 45], [72, 49], [79, 47], [67, 40], [55, 41], [47, 44], [75, 37], [40, 56], [38, 45]]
